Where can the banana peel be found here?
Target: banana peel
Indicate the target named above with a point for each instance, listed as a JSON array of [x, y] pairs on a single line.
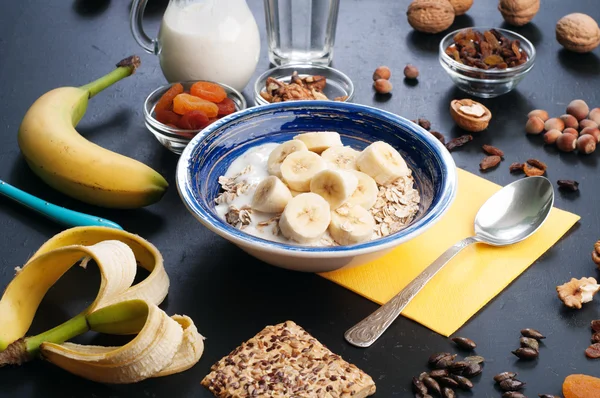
[[164, 345]]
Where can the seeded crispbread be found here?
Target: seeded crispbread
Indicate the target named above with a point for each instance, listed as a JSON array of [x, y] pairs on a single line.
[[285, 361]]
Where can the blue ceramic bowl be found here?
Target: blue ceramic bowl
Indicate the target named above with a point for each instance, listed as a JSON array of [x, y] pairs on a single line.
[[210, 153]]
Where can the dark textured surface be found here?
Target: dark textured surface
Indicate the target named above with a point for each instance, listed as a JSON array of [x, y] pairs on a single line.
[[231, 296]]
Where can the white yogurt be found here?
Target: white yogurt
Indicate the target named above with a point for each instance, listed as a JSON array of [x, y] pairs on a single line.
[[215, 40]]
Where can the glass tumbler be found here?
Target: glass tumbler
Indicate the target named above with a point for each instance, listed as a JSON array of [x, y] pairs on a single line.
[[301, 31]]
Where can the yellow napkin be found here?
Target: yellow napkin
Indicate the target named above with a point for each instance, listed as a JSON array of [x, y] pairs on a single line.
[[470, 280]]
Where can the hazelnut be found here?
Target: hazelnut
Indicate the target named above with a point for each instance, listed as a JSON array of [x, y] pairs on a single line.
[[579, 109], [430, 16], [586, 144], [587, 123], [593, 131], [570, 121], [382, 86], [578, 32], [534, 125], [551, 136], [566, 142], [539, 113], [470, 115], [461, 6], [383, 72], [518, 12], [571, 130], [554, 123], [595, 115], [411, 71]]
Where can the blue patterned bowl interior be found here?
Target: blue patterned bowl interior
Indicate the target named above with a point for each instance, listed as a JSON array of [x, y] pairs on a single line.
[[211, 152]]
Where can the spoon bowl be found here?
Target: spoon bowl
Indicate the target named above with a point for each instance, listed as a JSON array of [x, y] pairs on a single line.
[[515, 212], [511, 215]]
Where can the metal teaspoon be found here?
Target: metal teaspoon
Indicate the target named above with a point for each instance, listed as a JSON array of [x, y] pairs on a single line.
[[509, 216]]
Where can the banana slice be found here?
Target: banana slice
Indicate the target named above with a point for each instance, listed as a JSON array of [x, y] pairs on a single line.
[[295, 193], [382, 162], [341, 157], [366, 192], [299, 168], [305, 218], [335, 186], [271, 195], [319, 141], [281, 152], [351, 225]]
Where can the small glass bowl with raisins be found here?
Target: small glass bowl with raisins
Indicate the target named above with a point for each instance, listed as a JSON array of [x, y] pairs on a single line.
[[486, 62], [177, 112]]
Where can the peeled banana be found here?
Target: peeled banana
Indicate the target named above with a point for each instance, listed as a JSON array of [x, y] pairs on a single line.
[[66, 161], [163, 345]]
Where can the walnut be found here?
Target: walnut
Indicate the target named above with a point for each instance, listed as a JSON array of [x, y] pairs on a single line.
[[470, 115], [461, 6], [518, 12], [299, 88], [578, 291], [430, 16], [596, 254], [578, 32]]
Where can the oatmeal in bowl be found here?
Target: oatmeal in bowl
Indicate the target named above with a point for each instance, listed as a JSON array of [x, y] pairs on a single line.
[[316, 191], [316, 186]]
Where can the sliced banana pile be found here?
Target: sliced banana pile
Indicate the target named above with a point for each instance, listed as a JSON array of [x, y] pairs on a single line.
[[318, 184]]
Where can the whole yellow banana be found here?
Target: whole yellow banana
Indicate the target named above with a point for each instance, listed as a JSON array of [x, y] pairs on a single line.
[[66, 161]]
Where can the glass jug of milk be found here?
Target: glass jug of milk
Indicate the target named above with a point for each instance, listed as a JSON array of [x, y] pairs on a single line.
[[214, 40]]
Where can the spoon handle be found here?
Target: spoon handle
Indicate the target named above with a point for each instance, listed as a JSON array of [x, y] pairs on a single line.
[[367, 331]]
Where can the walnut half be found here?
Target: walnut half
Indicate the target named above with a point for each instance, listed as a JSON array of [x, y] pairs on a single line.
[[470, 115], [576, 292]]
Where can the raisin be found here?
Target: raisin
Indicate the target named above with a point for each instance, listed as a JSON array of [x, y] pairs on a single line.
[[166, 116], [183, 103], [166, 101], [458, 141], [537, 163], [492, 150], [489, 162], [193, 120], [593, 351], [226, 107], [208, 91], [516, 167], [532, 171], [568, 185]]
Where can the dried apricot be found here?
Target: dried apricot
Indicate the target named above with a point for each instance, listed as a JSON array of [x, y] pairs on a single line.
[[581, 386], [166, 101], [183, 103], [166, 116], [193, 120], [226, 107], [209, 91]]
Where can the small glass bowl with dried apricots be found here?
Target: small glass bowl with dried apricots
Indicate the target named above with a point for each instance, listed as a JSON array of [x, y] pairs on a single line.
[[177, 112]]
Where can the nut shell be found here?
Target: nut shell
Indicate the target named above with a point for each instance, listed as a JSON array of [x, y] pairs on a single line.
[[578, 32], [586, 144], [566, 142], [542, 114], [593, 131], [518, 12], [461, 6], [534, 125], [588, 123], [430, 16], [470, 122], [551, 136], [595, 115], [579, 109], [570, 121], [554, 123]]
